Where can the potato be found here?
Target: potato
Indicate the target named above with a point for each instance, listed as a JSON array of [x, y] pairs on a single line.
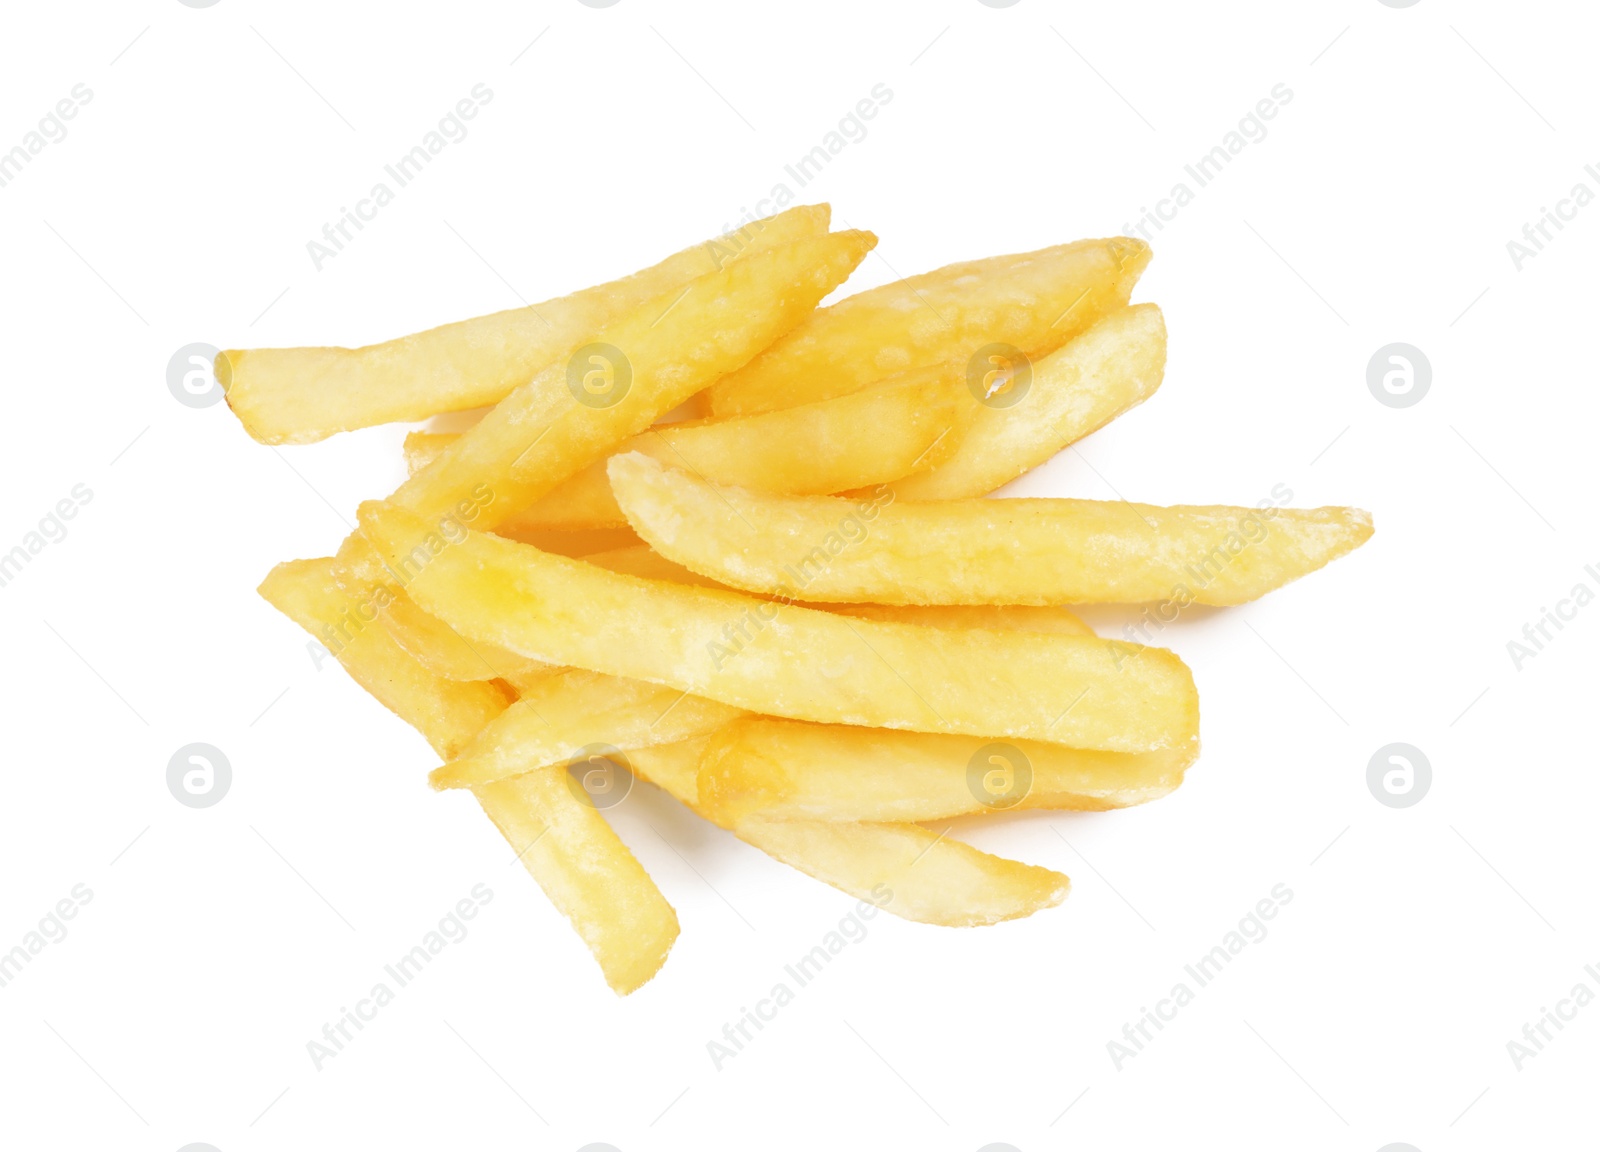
[[673, 346], [421, 448], [642, 560], [299, 395], [448, 713], [902, 868], [882, 433], [1040, 552], [787, 770], [1033, 302], [562, 714], [787, 660], [444, 652], [588, 873], [1114, 366], [565, 844]]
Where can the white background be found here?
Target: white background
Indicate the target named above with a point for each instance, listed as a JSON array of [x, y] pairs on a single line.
[[1377, 209]]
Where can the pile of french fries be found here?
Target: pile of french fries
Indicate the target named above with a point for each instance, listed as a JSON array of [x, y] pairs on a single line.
[[796, 613]]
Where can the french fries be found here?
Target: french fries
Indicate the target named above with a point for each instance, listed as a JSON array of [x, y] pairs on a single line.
[[444, 652], [787, 770], [566, 845], [299, 395], [1032, 302], [588, 873], [798, 616], [659, 355], [448, 713], [561, 714], [902, 868], [641, 560], [786, 660], [1037, 552], [1114, 366], [881, 433]]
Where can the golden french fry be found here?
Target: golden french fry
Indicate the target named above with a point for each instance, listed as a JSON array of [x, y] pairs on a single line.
[[448, 713], [1051, 618], [298, 395], [565, 844], [579, 542], [881, 433], [561, 715], [422, 447], [656, 356], [642, 560], [588, 873], [788, 770], [445, 653], [1114, 366], [786, 660], [1030, 303], [977, 551], [902, 868]]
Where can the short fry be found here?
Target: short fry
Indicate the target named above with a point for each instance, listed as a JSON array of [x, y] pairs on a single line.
[[588, 873], [560, 715], [1112, 367], [978, 551]]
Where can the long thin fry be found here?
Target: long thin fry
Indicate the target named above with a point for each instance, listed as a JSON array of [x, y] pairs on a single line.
[[298, 395], [902, 868], [566, 845], [881, 433], [1114, 366], [787, 770], [786, 660], [1031, 303], [979, 551], [448, 713]]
